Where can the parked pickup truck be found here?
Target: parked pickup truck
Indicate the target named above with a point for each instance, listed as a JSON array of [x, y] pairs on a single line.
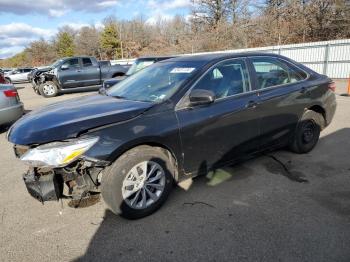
[[78, 73]]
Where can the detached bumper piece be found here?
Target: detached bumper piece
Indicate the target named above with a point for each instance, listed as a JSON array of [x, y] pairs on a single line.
[[43, 187]]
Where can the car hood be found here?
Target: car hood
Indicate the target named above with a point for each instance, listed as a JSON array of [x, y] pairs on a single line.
[[67, 119]]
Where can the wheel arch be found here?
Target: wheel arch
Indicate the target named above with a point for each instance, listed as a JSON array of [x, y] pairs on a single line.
[[118, 74], [319, 109], [161, 146]]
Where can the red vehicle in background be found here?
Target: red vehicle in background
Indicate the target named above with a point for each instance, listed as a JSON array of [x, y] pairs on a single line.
[[2, 78]]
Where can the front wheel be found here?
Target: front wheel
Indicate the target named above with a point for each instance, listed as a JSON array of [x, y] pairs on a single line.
[[48, 89], [138, 182], [307, 132]]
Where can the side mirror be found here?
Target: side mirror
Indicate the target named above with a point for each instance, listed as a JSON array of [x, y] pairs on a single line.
[[64, 66], [201, 97]]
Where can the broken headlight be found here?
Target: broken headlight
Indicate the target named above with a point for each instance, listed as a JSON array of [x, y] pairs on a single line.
[[58, 154]]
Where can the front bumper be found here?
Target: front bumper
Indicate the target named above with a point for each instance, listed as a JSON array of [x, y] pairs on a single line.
[[43, 188]]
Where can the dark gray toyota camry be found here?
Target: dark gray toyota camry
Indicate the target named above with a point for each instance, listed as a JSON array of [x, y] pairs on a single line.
[[171, 121]]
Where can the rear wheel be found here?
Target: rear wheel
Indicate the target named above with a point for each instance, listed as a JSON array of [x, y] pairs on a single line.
[[48, 89], [8, 80], [138, 182], [307, 133]]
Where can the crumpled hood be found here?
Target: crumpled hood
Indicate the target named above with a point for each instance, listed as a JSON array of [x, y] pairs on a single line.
[[67, 119]]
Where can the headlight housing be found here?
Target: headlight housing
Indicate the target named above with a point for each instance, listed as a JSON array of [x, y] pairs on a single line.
[[58, 154]]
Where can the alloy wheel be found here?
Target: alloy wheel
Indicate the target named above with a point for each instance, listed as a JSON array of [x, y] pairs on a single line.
[[143, 185]]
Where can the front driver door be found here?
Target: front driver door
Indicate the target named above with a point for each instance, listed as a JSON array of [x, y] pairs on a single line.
[[70, 73], [216, 134]]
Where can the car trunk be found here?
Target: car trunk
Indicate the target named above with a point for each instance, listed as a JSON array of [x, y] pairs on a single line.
[[8, 96]]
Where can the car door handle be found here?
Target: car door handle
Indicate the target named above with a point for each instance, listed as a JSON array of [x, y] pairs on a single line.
[[78, 70], [251, 104]]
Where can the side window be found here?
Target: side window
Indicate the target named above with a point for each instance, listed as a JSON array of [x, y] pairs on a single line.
[[226, 79], [72, 63], [273, 72], [87, 62]]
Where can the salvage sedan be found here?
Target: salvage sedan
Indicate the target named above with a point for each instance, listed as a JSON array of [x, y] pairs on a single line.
[[174, 120]]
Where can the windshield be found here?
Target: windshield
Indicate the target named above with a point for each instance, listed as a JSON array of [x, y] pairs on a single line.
[[55, 64], [138, 65], [155, 83]]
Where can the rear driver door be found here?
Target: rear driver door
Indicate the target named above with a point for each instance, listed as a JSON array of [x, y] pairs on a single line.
[[91, 72], [283, 96]]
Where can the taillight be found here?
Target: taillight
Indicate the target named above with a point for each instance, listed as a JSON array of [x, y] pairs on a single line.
[[10, 93], [331, 86]]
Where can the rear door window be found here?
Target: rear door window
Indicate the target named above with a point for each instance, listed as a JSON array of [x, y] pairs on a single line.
[[87, 62], [273, 72]]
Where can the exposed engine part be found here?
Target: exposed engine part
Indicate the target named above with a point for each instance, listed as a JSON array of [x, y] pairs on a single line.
[[82, 179], [85, 201]]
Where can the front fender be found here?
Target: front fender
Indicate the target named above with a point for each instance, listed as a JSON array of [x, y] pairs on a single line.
[[159, 129]]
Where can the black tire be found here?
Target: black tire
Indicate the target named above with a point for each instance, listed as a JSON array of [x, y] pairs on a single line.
[[36, 91], [113, 177], [8, 80], [48, 89], [307, 132]]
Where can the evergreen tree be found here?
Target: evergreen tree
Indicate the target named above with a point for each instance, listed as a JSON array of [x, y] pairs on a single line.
[[65, 44], [109, 41]]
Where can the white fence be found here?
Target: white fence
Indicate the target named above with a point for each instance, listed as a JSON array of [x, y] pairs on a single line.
[[331, 58]]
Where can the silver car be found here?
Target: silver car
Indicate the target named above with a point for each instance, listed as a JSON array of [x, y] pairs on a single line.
[[18, 75], [11, 108]]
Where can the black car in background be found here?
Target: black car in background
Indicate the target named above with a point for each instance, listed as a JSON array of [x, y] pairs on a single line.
[[139, 64], [174, 120]]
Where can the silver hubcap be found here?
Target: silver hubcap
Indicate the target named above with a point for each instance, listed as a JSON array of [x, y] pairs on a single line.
[[143, 185], [48, 89]]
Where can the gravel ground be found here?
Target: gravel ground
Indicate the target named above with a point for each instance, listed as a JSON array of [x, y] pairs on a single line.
[[255, 211]]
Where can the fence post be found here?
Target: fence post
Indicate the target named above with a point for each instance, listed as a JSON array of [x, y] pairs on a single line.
[[326, 60]]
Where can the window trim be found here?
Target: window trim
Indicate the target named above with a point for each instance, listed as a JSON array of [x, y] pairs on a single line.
[[183, 102], [276, 86]]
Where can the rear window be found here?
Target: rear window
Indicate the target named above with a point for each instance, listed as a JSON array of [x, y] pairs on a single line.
[[87, 62]]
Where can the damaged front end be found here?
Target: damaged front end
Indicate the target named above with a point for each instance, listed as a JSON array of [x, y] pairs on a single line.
[[60, 170]]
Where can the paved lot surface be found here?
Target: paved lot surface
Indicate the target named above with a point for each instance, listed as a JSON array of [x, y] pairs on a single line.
[[255, 211]]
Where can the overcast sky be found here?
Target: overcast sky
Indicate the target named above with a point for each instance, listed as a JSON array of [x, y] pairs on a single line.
[[22, 21]]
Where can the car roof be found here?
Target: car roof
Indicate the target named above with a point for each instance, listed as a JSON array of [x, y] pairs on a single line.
[[217, 56], [155, 57]]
